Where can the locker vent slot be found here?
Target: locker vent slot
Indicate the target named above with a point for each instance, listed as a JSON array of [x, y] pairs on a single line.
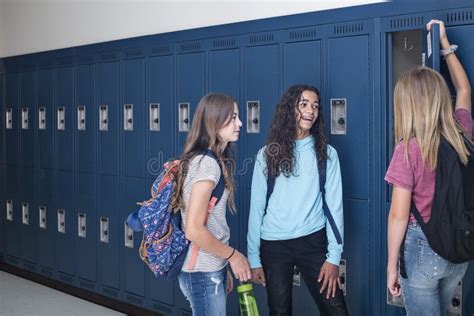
[[348, 28], [261, 38], [65, 278], [65, 61], [190, 46], [161, 50], [134, 299], [222, 43], [109, 56], [413, 21], [163, 308], [109, 292], [87, 285], [86, 60], [133, 53], [459, 16], [47, 272], [303, 34]]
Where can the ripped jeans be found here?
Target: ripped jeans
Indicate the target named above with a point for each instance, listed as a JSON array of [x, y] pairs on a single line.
[[205, 291]]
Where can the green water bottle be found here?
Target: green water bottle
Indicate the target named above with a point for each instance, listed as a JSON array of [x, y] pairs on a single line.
[[247, 301]]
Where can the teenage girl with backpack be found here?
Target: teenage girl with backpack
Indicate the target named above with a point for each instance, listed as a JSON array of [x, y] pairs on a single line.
[[207, 154], [292, 229], [423, 113]]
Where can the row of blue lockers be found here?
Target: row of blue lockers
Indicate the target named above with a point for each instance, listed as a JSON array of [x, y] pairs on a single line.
[[85, 130]]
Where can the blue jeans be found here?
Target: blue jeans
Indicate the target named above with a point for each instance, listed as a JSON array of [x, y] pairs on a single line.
[[205, 291], [431, 280]]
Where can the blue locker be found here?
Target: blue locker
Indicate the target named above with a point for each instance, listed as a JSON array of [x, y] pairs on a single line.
[[303, 63], [348, 78], [160, 103], [13, 219], [191, 88], [65, 223], [133, 102], [2, 219], [64, 100], [133, 268], [85, 113], [85, 219], [2, 120], [11, 105], [45, 111], [29, 218], [27, 122], [47, 218], [108, 135], [108, 258]]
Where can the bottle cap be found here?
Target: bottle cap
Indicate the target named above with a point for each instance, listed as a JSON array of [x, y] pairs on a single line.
[[244, 288]]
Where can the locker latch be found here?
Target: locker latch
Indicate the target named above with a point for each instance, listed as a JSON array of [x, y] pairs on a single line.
[[104, 229], [128, 117], [9, 210], [42, 217], [81, 118], [103, 118], [155, 117], [81, 225], [183, 117], [61, 221], [61, 118], [253, 116], [455, 308], [9, 118], [296, 276], [25, 213], [24, 118], [343, 275], [338, 116], [42, 118], [128, 236]]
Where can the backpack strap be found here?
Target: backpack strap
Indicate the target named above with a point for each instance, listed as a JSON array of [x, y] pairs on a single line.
[[322, 182], [216, 196]]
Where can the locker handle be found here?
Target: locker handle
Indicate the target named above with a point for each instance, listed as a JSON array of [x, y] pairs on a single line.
[[156, 120], [62, 224], [129, 120], [83, 227], [43, 219], [104, 121], [455, 301], [106, 232], [130, 237], [255, 121], [186, 120], [341, 121]]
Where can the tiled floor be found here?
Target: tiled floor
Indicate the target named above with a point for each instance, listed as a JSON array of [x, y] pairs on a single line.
[[22, 297]]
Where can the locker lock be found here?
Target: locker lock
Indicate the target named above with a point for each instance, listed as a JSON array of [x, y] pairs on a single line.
[[186, 121], [341, 121], [467, 233], [130, 237], [62, 224], [455, 301], [129, 120], [43, 219], [156, 120], [255, 121], [106, 232], [338, 116], [83, 227], [343, 279], [104, 121]]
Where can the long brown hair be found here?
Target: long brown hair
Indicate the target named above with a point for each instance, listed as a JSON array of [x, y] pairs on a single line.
[[423, 109], [213, 112], [279, 153]]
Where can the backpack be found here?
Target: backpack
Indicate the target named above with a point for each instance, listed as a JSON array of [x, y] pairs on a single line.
[[450, 230], [322, 166], [164, 245]]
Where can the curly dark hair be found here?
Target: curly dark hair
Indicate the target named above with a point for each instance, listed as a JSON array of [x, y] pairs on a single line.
[[283, 132]]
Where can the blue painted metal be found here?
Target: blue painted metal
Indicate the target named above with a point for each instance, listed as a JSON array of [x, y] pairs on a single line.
[[64, 89], [28, 232], [45, 140], [45, 237], [27, 136]]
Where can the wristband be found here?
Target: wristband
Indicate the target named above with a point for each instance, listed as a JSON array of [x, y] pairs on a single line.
[[233, 251], [451, 49]]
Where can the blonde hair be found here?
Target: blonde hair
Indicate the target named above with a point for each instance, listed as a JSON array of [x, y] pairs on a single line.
[[423, 110], [213, 112]]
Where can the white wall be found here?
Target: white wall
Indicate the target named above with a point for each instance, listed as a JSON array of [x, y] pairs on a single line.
[[28, 26]]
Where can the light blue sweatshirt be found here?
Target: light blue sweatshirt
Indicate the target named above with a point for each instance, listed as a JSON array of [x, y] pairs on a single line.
[[295, 208]]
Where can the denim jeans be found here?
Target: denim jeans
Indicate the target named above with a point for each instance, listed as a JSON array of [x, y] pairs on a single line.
[[307, 253], [431, 280], [205, 291]]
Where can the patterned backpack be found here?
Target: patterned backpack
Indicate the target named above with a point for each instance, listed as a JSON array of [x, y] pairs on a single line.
[[164, 245]]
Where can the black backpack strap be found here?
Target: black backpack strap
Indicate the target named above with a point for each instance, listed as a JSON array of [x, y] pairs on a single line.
[[417, 214], [218, 191], [270, 186], [322, 166]]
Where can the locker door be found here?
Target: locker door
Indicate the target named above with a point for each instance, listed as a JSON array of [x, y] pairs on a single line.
[[133, 267], [3, 218], [12, 215], [12, 117], [109, 114], [349, 79], [161, 147], [28, 216], [2, 119], [65, 228], [45, 114], [85, 113], [64, 104], [27, 122], [86, 226], [134, 124], [224, 77], [302, 64], [191, 88], [160, 103], [431, 46], [47, 218], [109, 239]]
